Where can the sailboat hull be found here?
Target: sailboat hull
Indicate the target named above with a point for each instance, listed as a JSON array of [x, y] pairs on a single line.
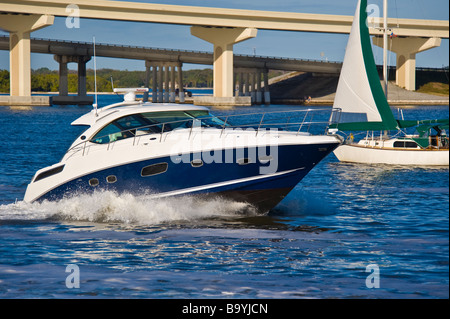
[[372, 155]]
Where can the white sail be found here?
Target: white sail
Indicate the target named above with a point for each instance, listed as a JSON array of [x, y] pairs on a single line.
[[354, 94]]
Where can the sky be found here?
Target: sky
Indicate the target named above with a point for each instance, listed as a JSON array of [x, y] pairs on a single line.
[[305, 45]]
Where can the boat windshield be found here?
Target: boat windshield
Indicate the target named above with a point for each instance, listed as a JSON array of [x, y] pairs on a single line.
[[154, 122]]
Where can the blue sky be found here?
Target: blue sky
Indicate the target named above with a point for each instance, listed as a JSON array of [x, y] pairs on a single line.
[[267, 43]]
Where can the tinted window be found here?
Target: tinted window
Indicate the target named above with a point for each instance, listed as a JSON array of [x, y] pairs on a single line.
[[49, 173], [405, 144], [154, 169], [126, 126]]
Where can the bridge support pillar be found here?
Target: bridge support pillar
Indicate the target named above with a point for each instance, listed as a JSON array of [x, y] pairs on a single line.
[[82, 60], [258, 88], [249, 84], [223, 40], [266, 87], [406, 49], [19, 28], [172, 85], [63, 97], [146, 80], [180, 84], [160, 83], [63, 74], [164, 81]]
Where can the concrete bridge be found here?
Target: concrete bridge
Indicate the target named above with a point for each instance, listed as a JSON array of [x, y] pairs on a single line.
[[248, 70], [221, 27]]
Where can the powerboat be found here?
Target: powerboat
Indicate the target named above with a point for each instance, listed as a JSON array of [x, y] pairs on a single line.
[[162, 150]]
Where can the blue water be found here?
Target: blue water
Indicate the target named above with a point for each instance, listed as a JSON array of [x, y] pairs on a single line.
[[316, 244]]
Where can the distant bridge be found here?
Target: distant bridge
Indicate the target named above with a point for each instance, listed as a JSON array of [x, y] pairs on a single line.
[[76, 48], [248, 69]]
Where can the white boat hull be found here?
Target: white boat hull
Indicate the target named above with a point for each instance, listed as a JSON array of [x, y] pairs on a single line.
[[374, 155]]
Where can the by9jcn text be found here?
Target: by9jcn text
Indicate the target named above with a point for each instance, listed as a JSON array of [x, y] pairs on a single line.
[[230, 308]]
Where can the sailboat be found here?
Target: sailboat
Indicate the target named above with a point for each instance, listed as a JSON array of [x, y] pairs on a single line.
[[364, 108]]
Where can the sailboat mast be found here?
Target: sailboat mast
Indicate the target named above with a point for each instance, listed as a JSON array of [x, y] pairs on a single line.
[[385, 45]]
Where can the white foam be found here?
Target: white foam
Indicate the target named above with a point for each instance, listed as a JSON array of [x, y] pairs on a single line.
[[106, 206]]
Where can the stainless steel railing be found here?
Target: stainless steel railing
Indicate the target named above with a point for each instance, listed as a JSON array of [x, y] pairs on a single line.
[[281, 120]]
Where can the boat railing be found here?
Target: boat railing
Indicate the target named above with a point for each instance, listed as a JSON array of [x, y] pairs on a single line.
[[306, 121]]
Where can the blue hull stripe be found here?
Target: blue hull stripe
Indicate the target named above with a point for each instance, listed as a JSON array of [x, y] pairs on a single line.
[[294, 160]]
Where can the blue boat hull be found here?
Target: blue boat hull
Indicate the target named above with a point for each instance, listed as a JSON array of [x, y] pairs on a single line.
[[242, 182]]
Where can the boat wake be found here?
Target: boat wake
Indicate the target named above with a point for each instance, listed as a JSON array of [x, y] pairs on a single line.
[[109, 207]]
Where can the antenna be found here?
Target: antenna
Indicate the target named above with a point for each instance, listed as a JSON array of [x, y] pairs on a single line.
[[95, 79]]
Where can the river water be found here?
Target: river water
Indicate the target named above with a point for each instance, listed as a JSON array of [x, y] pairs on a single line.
[[345, 231]]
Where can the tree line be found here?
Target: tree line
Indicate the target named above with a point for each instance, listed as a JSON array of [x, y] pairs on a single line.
[[46, 80]]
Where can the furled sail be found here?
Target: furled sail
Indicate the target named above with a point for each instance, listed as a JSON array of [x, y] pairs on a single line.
[[359, 93]]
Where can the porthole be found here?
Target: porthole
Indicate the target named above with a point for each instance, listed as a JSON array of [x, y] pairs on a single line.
[[154, 169], [197, 163], [265, 159], [244, 161], [111, 179], [93, 182]]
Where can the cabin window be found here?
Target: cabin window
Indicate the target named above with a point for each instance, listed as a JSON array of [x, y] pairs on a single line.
[[154, 169], [109, 133], [124, 127], [151, 122], [405, 144], [93, 182], [49, 173]]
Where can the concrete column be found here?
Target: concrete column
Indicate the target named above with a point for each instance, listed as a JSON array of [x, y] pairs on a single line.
[[20, 27], [406, 49], [266, 88], [154, 84], [241, 84], [172, 84], [253, 86], [258, 87], [63, 74], [160, 83], [82, 60], [247, 84], [235, 85], [180, 84], [223, 40], [166, 83], [147, 79]]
